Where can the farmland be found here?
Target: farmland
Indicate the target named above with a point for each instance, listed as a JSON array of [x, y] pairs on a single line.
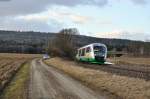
[[7, 70], [18, 80], [131, 60], [9, 65], [119, 86]]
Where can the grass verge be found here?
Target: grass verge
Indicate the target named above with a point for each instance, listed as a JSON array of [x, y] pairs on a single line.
[[120, 86], [130, 60], [17, 88]]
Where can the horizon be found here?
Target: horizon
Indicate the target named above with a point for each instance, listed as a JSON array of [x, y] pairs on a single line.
[[96, 18], [79, 34]]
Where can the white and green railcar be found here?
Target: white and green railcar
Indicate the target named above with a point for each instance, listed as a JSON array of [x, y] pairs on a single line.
[[93, 53]]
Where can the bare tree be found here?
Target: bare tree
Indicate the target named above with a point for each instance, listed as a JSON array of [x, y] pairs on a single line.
[[64, 45]]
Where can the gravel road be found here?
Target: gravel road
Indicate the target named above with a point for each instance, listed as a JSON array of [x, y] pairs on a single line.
[[49, 83]]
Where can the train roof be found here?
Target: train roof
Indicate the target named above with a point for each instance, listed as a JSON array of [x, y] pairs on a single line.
[[98, 44]]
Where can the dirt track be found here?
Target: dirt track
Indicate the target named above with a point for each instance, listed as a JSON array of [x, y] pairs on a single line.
[[49, 83]]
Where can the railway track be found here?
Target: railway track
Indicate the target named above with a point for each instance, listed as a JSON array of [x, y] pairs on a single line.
[[136, 71]]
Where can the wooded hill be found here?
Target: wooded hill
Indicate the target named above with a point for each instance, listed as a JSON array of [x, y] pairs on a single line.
[[36, 42]]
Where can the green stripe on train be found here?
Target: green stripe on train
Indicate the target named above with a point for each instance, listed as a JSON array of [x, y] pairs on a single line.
[[91, 60]]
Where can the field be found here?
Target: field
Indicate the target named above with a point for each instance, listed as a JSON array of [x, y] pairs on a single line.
[[10, 64], [18, 88], [125, 87], [124, 80], [131, 60], [18, 56]]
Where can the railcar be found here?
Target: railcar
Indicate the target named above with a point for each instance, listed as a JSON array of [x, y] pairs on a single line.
[[93, 53]]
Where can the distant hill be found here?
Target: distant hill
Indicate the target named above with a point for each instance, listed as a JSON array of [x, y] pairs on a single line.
[[36, 42]]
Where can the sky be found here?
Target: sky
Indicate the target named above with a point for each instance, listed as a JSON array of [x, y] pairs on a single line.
[[125, 19]]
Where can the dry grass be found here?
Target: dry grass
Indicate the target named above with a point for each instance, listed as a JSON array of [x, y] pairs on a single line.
[[8, 68], [10, 64], [14, 55], [130, 60], [124, 87], [17, 89]]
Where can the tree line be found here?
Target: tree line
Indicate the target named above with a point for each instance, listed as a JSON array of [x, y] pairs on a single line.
[[65, 43], [68, 40]]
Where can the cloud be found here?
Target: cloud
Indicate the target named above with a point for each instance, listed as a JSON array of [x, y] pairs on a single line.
[[9, 23], [49, 20], [60, 16], [22, 7], [73, 17], [35, 17], [19, 7], [96, 2], [79, 19], [124, 35], [139, 2]]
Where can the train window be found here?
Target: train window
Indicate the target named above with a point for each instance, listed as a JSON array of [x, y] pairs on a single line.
[[83, 52], [88, 49], [79, 52], [100, 49]]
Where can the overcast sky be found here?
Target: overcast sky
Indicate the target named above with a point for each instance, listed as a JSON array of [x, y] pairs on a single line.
[[127, 19]]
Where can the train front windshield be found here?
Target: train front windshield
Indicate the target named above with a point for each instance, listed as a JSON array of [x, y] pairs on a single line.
[[99, 51]]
